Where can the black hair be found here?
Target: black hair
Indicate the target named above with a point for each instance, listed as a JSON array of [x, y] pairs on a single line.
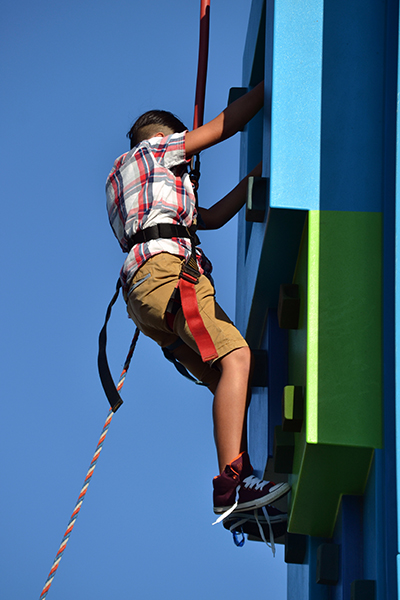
[[163, 118]]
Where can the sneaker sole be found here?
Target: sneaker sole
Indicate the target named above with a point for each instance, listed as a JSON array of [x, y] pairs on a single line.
[[251, 528], [278, 491], [237, 516]]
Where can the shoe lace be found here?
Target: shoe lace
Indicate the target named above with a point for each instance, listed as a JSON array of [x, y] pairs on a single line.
[[254, 482], [231, 509], [271, 533]]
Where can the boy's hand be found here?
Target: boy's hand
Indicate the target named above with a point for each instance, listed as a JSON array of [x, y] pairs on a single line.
[[221, 212], [230, 121]]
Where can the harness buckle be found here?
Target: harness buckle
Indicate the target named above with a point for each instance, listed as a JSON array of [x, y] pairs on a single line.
[[188, 277], [189, 272]]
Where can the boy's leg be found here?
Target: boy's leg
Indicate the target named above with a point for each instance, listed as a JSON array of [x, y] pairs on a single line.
[[236, 488], [228, 381], [230, 405], [147, 300], [231, 387]]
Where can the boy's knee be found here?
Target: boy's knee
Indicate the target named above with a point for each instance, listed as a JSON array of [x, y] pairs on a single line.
[[239, 359], [243, 354]]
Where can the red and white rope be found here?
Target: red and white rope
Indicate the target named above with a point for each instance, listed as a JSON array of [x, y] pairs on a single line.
[[198, 121], [88, 478]]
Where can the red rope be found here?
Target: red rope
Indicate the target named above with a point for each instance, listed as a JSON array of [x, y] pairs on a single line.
[[77, 508], [88, 477], [202, 64]]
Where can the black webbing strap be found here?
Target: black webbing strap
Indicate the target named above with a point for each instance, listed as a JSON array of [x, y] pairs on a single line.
[[106, 379], [164, 231], [179, 367]]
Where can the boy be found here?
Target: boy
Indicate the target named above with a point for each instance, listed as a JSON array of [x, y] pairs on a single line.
[[153, 213]]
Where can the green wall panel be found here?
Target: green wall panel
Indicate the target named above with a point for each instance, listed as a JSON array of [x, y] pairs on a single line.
[[324, 473], [344, 346], [335, 354]]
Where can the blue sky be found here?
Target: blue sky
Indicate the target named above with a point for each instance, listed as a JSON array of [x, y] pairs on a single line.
[[74, 77]]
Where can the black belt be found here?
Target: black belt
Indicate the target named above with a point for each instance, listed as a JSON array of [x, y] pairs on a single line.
[[162, 230]]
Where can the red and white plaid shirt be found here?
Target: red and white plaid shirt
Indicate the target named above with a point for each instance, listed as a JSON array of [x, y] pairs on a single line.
[[151, 185]]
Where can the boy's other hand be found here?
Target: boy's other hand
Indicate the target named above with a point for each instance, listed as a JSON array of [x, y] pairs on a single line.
[[230, 121]]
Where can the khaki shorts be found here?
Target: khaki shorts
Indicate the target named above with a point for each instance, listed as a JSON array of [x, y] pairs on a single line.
[[147, 300]]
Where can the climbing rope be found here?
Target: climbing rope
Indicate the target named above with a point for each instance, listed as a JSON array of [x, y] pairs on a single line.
[[195, 174], [202, 64], [200, 86], [88, 477]]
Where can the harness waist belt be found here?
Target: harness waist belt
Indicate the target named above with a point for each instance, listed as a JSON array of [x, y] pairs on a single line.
[[162, 230]]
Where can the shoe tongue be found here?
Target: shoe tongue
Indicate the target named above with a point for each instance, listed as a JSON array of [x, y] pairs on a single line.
[[241, 466]]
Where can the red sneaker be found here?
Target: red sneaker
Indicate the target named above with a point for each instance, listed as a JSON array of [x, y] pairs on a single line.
[[236, 489]]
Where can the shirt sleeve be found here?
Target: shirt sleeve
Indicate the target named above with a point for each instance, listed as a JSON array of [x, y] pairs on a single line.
[[169, 151]]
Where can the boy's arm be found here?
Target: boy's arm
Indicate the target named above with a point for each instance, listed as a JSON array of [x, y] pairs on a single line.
[[230, 121], [221, 212]]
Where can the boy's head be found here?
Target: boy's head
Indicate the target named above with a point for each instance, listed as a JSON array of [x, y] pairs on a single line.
[[153, 122]]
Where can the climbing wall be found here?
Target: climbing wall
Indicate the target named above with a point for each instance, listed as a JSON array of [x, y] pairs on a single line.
[[316, 285]]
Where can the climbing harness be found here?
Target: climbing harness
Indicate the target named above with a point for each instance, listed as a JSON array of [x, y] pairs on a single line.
[[184, 295], [188, 278]]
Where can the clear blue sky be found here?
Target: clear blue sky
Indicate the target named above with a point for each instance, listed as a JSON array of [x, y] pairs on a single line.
[[74, 76]]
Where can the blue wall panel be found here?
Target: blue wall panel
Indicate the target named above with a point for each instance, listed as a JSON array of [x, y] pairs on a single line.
[[302, 583], [296, 104], [349, 535], [353, 103], [297, 582]]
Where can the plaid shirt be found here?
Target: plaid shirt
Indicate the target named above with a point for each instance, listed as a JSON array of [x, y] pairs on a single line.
[[147, 186]]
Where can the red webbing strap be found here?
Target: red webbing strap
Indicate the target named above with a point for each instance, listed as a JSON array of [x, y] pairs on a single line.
[[195, 322], [189, 275]]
